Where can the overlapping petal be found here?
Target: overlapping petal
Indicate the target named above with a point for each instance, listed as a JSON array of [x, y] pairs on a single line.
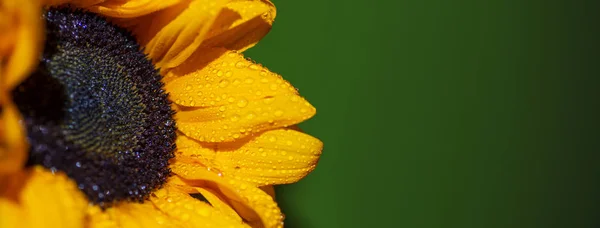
[[190, 211], [279, 156], [172, 35], [241, 25], [231, 98], [219, 203], [255, 206], [269, 189], [130, 214], [36, 192]]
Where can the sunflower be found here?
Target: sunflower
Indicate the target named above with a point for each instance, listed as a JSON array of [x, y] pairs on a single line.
[[144, 113]]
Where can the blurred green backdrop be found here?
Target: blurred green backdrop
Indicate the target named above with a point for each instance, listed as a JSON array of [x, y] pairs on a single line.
[[444, 113]]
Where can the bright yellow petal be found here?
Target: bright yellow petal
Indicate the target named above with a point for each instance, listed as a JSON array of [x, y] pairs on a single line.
[[192, 212], [39, 192], [11, 214], [255, 206], [219, 203], [131, 214], [100, 219], [235, 98], [241, 25], [20, 40], [171, 35], [131, 8], [279, 156], [199, 152], [231, 75], [13, 147]]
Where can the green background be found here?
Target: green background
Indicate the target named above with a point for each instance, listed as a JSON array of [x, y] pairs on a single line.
[[444, 113]]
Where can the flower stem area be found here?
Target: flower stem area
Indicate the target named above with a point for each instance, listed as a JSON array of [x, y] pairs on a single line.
[[443, 113]]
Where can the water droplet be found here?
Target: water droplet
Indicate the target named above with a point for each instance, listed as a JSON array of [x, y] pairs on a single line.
[[240, 64], [253, 67], [223, 83], [242, 103], [278, 113]]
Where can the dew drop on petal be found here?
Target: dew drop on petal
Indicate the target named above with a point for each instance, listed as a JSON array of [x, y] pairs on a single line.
[[242, 103]]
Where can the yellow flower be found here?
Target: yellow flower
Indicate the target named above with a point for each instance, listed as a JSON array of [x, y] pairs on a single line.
[[235, 135]]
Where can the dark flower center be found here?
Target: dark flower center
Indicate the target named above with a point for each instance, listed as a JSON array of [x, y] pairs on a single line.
[[96, 109]]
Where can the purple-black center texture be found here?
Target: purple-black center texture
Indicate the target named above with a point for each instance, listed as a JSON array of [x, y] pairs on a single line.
[[96, 109]]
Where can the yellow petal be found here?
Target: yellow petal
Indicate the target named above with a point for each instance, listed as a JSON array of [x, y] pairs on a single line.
[[13, 147], [219, 203], [10, 213], [38, 192], [131, 8], [237, 98], [241, 25], [231, 75], [100, 219], [173, 34], [256, 207], [199, 152], [20, 40], [279, 156], [192, 212], [130, 214]]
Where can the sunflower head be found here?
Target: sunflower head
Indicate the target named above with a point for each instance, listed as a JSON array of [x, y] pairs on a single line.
[[145, 112]]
